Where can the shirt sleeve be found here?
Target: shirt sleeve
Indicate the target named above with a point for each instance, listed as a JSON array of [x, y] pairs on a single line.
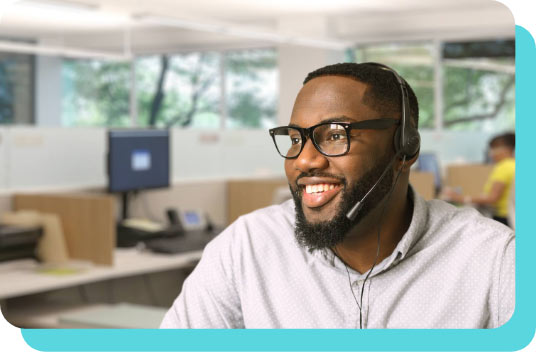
[[209, 299], [507, 283], [503, 173]]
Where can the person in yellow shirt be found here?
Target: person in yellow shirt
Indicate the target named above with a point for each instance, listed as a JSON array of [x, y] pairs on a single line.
[[500, 182]]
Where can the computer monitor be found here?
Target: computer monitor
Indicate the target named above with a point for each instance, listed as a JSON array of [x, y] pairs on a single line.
[[138, 160], [428, 162]]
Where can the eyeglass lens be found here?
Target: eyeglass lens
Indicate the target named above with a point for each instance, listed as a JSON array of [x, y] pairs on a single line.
[[331, 139]]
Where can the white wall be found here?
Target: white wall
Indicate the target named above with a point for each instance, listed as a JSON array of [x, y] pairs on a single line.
[[295, 62], [41, 158], [456, 147]]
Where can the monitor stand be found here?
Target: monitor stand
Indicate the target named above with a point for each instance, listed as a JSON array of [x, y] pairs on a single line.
[[124, 201]]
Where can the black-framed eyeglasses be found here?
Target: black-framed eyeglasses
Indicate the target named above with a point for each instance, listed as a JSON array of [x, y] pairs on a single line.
[[329, 138]]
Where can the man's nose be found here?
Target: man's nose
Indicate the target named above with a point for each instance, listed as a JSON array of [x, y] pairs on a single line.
[[310, 158]]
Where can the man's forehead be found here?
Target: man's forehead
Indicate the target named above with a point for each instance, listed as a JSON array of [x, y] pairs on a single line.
[[330, 97]]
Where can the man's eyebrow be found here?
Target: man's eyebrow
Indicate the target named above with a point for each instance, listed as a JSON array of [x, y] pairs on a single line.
[[341, 118]]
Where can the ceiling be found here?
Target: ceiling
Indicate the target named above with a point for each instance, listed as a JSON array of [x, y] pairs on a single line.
[[126, 26]]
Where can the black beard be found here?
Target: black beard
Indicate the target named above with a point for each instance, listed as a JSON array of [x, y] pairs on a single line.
[[327, 234]]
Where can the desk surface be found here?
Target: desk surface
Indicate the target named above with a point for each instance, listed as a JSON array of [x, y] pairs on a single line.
[[21, 277]]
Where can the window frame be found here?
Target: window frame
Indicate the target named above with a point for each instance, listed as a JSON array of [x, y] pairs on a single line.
[[437, 66]]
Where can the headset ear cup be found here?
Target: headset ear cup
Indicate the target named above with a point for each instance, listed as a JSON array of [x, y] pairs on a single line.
[[412, 144]]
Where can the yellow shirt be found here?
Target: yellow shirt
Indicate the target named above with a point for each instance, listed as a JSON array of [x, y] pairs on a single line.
[[503, 172]]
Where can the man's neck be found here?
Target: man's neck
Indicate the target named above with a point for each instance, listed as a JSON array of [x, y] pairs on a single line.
[[358, 250]]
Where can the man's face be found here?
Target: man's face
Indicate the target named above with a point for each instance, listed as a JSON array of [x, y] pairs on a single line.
[[339, 181]]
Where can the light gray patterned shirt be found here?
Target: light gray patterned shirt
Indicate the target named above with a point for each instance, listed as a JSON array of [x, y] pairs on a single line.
[[452, 269]]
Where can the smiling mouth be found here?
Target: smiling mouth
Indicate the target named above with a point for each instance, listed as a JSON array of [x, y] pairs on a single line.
[[318, 195]]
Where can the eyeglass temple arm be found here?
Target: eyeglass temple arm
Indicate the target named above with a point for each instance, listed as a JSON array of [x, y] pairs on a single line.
[[375, 124]]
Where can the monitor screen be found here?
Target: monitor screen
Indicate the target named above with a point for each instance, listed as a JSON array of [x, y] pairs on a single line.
[[427, 162], [137, 159]]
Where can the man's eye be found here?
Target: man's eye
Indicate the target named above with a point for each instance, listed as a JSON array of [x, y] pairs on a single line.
[[295, 140], [333, 137]]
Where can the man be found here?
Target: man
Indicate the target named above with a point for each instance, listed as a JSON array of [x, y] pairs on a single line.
[[320, 261]]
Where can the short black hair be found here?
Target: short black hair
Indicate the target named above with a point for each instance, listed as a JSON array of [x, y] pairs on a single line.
[[507, 139], [383, 92]]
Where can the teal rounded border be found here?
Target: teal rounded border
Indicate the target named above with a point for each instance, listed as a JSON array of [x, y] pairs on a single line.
[[514, 335]]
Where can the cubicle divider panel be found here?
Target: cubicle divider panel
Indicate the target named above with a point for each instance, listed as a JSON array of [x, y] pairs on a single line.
[[423, 183], [245, 196], [88, 222], [468, 179]]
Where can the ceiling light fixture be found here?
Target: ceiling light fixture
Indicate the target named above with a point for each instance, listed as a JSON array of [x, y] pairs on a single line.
[[242, 32], [60, 51], [60, 5]]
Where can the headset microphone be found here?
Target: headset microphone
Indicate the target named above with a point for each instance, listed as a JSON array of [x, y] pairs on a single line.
[[351, 215]]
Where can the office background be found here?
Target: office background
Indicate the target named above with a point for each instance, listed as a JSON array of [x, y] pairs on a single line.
[[69, 70]]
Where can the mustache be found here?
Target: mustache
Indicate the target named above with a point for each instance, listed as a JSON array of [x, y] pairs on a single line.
[[319, 174]]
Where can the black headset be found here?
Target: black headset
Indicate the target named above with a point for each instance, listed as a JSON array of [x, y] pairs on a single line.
[[407, 140]]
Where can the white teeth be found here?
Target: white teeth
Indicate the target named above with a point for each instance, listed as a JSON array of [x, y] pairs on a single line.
[[319, 188]]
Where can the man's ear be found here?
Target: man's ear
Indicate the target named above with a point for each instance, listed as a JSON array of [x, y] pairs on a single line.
[[404, 166]]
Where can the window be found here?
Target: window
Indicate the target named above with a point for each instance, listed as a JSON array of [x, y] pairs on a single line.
[[233, 89], [479, 85], [179, 90], [251, 88], [230, 89], [16, 88], [415, 63], [95, 93], [477, 91]]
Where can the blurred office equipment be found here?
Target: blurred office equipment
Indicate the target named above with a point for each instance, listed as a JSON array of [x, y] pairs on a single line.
[[428, 162], [51, 247], [190, 230], [18, 241], [137, 160]]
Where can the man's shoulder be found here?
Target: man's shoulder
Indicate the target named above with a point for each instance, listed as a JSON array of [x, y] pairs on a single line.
[[465, 224]]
